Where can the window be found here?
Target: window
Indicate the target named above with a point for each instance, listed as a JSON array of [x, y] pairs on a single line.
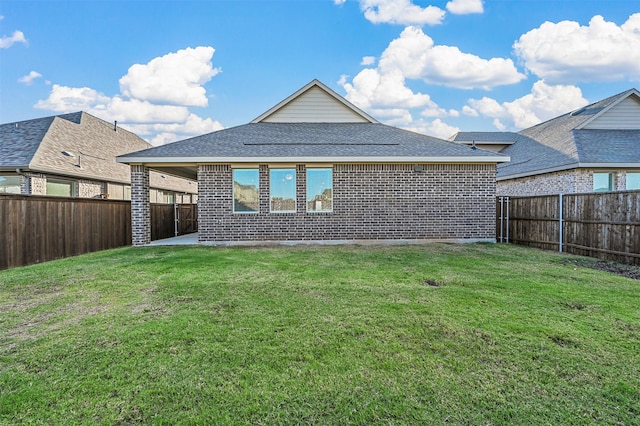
[[246, 191], [602, 182], [118, 192], [10, 184], [633, 180], [282, 186], [319, 190], [60, 188]]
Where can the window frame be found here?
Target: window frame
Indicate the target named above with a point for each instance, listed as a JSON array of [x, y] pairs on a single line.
[[233, 190], [17, 185], [627, 180], [610, 184], [73, 188], [294, 178], [308, 193]]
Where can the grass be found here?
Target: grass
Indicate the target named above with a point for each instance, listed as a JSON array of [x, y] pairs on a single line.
[[459, 334]]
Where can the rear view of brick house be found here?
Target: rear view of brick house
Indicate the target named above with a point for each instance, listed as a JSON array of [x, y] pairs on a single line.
[[316, 168]]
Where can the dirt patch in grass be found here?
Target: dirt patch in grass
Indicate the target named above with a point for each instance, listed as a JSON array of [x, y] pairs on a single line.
[[629, 271]]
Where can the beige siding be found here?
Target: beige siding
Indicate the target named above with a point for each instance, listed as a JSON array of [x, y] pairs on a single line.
[[625, 115], [314, 106]]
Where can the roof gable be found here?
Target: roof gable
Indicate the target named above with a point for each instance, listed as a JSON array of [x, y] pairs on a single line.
[[315, 103], [622, 114]]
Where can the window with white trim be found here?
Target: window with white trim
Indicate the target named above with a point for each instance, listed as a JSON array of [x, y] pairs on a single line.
[[246, 191], [282, 190], [319, 190]]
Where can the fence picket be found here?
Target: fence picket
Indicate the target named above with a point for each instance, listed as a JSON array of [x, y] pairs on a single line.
[[603, 225], [36, 229]]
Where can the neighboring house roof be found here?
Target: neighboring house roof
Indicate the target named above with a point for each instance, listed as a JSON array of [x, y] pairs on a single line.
[[603, 134], [298, 130], [76, 145], [485, 137]]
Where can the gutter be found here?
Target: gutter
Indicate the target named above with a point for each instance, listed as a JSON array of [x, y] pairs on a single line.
[[404, 159]]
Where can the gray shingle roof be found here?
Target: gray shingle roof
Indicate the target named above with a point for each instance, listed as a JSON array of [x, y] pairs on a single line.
[[309, 140], [37, 145], [20, 141], [557, 143], [485, 137]]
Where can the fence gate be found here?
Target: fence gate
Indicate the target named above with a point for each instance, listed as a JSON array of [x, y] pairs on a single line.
[[186, 218], [502, 222]]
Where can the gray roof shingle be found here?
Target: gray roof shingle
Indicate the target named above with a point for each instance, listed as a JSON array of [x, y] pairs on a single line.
[[557, 143], [310, 140]]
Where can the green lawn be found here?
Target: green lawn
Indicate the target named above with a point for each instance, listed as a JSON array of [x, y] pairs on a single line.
[[459, 334]]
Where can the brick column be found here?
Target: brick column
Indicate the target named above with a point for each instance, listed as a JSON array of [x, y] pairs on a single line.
[[140, 206]]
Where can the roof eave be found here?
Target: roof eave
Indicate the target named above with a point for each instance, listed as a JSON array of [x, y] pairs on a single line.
[[320, 159], [629, 165]]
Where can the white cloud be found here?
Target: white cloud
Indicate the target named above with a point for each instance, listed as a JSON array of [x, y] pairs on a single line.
[[402, 12], [339, 2], [368, 60], [464, 7], [28, 79], [150, 106], [139, 111], [393, 116], [467, 110], [414, 56], [567, 52], [370, 89], [161, 133], [176, 78], [498, 125], [436, 128], [417, 57], [543, 103], [8, 41], [68, 99]]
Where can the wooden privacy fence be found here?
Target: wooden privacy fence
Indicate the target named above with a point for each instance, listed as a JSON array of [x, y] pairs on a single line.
[[36, 229], [603, 225]]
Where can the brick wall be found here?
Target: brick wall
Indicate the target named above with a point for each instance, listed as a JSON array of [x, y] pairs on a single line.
[[140, 206], [370, 201], [37, 184], [90, 188], [575, 181]]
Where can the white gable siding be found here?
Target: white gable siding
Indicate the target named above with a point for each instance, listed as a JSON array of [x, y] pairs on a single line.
[[625, 115], [314, 106]]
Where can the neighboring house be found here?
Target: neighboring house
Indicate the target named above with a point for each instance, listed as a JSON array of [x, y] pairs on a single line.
[[73, 155], [315, 167], [595, 148]]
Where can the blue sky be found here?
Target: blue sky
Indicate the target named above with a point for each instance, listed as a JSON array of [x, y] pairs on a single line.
[[168, 70]]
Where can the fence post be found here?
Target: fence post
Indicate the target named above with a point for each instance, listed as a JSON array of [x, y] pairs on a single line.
[[561, 225], [175, 217], [501, 218], [507, 228]]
